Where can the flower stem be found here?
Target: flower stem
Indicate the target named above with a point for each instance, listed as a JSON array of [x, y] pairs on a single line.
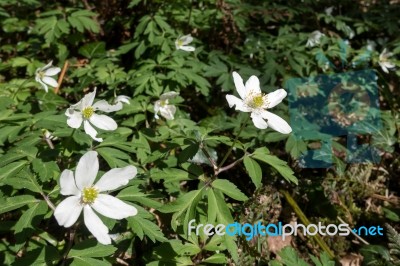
[[48, 201], [233, 144], [19, 87]]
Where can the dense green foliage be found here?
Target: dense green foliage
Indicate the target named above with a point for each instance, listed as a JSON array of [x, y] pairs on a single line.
[[210, 163]]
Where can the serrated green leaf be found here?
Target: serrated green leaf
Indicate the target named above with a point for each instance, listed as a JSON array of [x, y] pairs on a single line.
[[13, 203], [254, 170], [218, 258], [229, 189], [45, 170], [11, 169], [147, 228], [91, 249], [26, 220], [278, 164], [84, 261]]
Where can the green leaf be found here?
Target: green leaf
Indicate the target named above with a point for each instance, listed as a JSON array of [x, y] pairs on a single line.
[[92, 50], [133, 193], [323, 260], [229, 189], [218, 258], [92, 249], [24, 180], [146, 227], [289, 257], [12, 203], [188, 153], [45, 170], [114, 158], [212, 206], [254, 170], [26, 220], [11, 169], [79, 261], [278, 164], [44, 255]]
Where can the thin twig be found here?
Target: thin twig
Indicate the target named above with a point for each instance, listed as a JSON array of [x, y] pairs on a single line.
[[48, 201], [229, 166], [205, 151], [61, 78], [351, 231], [72, 233]]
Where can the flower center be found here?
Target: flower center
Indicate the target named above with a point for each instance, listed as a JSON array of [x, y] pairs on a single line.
[[88, 112], [163, 103], [180, 42], [89, 195], [256, 101]]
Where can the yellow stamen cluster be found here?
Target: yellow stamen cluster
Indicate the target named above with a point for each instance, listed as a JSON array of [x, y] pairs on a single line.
[[163, 102], [256, 100], [88, 112], [89, 195]]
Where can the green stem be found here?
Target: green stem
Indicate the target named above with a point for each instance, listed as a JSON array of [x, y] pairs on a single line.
[[306, 222], [233, 144], [19, 87]]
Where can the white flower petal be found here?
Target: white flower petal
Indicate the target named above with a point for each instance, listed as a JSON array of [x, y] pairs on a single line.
[[168, 95], [237, 79], [258, 121], [233, 100], [106, 107], [47, 66], [91, 131], [276, 122], [384, 68], [50, 81], [52, 71], [74, 118], [187, 48], [86, 170], [276, 97], [67, 184], [122, 98], [186, 39], [96, 226], [45, 87], [68, 211], [157, 106], [168, 111], [88, 99], [116, 178], [112, 207], [103, 122], [253, 85]]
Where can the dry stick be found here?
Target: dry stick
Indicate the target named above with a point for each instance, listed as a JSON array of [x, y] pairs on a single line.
[[60, 79], [306, 222], [351, 231]]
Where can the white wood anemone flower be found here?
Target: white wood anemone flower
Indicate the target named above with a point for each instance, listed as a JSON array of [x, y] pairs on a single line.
[[166, 110], [254, 101], [384, 61], [43, 75], [120, 100], [182, 43], [314, 38], [83, 195], [84, 111]]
